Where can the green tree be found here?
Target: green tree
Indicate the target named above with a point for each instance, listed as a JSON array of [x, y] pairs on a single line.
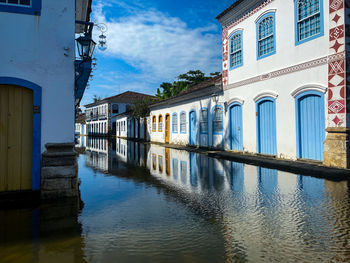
[[141, 108]]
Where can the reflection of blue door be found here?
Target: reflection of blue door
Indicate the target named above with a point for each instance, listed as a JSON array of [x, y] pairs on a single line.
[[267, 180], [193, 128], [266, 126], [237, 177], [236, 127], [310, 126], [193, 169]]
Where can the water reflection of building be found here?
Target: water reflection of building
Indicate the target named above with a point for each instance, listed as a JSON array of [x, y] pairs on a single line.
[[97, 153]]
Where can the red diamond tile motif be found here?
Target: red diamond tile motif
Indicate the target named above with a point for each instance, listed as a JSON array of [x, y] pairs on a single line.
[[336, 107], [335, 5], [336, 18], [336, 33], [336, 46], [336, 120]]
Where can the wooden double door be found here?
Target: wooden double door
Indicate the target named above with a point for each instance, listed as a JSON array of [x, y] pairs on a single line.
[[16, 138]]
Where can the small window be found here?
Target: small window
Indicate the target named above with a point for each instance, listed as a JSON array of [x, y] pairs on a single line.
[[160, 163], [204, 121], [30, 7], [217, 120], [154, 123], [266, 35], [236, 54], [174, 124], [183, 122], [309, 20], [115, 108], [160, 123]]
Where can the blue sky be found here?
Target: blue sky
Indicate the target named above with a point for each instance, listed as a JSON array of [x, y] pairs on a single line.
[[150, 42]]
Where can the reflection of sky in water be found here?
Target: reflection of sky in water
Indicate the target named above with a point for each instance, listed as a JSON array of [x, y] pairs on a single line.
[[148, 204]]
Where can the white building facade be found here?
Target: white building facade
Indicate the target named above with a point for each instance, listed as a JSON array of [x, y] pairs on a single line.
[[101, 115], [284, 80], [37, 86]]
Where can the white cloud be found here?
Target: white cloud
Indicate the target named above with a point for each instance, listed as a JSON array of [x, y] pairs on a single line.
[[158, 46]]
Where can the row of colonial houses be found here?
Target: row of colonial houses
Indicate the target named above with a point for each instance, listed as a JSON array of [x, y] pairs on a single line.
[[283, 90]]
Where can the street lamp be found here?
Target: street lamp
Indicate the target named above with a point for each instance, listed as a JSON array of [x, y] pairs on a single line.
[[86, 46]]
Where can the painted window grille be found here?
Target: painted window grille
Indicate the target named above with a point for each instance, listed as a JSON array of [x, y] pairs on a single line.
[[204, 121], [266, 36], [236, 54], [309, 18], [174, 123], [160, 123], [217, 120], [160, 163], [154, 123], [175, 168], [25, 3], [183, 122]]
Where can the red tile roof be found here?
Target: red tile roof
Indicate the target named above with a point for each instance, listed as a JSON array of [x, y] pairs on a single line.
[[126, 97]]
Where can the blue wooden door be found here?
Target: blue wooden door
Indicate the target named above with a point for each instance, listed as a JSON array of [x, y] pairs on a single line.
[[193, 128], [310, 126], [236, 127], [266, 126]]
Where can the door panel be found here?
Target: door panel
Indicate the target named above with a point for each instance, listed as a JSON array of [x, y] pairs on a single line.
[[16, 138], [167, 128], [236, 128], [266, 127], [193, 128], [311, 127]]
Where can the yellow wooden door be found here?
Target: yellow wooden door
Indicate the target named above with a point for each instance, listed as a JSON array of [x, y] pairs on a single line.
[[167, 128], [16, 138], [167, 161]]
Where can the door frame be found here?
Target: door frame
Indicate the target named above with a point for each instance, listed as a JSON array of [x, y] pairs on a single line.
[[167, 125], [190, 126], [297, 117], [36, 156], [230, 130], [257, 103]]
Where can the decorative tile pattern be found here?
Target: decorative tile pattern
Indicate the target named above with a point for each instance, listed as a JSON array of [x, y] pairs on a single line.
[[337, 65]]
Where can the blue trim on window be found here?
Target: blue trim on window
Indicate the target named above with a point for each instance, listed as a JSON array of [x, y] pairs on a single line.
[[35, 9], [212, 120], [297, 117], [230, 131], [200, 117], [181, 132], [36, 158], [190, 128], [172, 126], [297, 42], [258, 150], [234, 34], [274, 35]]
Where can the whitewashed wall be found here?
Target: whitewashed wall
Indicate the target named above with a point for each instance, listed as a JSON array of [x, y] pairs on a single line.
[[41, 49]]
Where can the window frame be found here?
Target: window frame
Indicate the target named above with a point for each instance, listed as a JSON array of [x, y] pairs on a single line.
[[183, 113], [222, 120], [174, 116], [200, 120], [296, 25], [261, 18], [154, 123], [34, 9], [160, 123], [235, 33]]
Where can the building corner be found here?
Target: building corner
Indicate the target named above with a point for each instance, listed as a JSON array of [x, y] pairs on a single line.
[[59, 172]]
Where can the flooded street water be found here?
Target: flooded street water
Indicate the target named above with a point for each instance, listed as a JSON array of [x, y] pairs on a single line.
[[146, 203]]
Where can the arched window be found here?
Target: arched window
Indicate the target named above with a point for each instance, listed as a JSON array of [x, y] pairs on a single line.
[[154, 123], [204, 120], [236, 47], [160, 123], [183, 122], [266, 35], [174, 123], [309, 20], [217, 120]]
